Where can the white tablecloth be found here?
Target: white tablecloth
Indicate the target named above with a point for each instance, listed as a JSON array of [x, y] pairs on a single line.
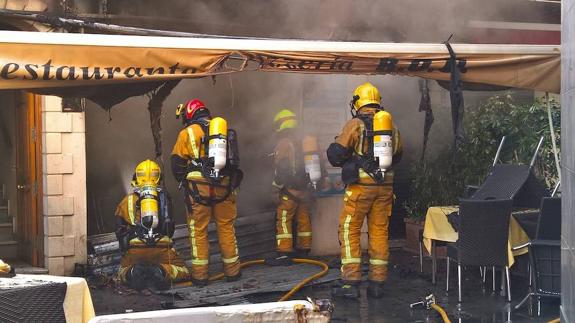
[[78, 305]]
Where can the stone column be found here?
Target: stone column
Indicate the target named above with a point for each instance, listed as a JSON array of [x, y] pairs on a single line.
[[568, 161], [64, 187]]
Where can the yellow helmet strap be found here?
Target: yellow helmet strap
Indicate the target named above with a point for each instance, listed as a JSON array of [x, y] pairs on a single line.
[[352, 105], [179, 110], [354, 112]]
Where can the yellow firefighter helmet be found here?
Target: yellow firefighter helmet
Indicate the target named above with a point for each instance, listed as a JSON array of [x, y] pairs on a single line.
[[366, 94], [285, 119], [147, 173]]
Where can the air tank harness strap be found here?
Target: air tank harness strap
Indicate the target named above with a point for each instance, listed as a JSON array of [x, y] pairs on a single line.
[[144, 245], [194, 192], [287, 193], [373, 184], [366, 160], [373, 133]]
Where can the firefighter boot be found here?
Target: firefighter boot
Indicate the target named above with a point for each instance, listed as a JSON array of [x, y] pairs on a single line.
[[280, 259], [136, 277], [375, 289], [302, 253], [233, 278], [345, 289], [199, 282], [157, 278]]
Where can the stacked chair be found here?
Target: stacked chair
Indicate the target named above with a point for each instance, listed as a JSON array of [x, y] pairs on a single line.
[[516, 182], [483, 220]]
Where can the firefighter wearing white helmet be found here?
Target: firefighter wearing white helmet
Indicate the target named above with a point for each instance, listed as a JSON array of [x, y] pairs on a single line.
[[366, 150], [292, 178]]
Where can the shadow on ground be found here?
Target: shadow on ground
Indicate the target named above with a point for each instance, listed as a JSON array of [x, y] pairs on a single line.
[[405, 286]]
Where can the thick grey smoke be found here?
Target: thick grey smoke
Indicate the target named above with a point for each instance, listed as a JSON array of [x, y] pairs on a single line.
[[366, 20], [250, 100]]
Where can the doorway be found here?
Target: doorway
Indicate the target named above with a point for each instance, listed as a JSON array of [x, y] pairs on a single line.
[[21, 233]]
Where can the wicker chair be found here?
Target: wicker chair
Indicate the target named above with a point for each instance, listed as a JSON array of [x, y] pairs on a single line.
[[545, 255], [483, 237], [467, 193], [517, 182]]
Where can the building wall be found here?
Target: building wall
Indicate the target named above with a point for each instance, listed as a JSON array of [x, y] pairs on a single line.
[[568, 161], [64, 187]]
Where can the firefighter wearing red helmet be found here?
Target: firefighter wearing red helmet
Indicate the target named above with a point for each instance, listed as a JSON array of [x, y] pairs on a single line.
[[209, 190]]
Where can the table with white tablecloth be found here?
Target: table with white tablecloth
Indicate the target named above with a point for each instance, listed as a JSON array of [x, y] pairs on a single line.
[[76, 304]]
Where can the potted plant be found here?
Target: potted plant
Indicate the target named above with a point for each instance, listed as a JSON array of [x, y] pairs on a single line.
[[431, 185], [440, 180]]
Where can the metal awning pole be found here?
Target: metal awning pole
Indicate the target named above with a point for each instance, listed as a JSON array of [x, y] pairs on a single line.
[[499, 151], [553, 139], [556, 189], [536, 152]]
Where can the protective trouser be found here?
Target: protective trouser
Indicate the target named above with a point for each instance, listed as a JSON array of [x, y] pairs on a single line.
[[360, 201], [288, 208], [165, 257], [224, 214]]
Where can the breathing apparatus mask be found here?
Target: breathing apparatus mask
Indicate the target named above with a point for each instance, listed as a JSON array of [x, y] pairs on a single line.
[[355, 111]]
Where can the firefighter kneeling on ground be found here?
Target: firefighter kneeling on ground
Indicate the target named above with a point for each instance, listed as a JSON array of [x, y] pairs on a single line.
[[205, 162], [144, 229], [366, 149], [293, 182]]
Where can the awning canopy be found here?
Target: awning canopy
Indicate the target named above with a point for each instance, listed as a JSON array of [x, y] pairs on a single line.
[[34, 60]]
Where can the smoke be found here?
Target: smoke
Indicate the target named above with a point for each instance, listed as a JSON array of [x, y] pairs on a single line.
[[367, 20], [250, 100]]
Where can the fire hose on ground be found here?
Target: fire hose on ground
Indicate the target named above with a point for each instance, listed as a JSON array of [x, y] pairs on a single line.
[[429, 303], [295, 289], [441, 312]]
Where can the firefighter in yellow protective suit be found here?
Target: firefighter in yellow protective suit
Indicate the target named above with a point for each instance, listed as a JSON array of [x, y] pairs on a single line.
[[293, 182], [208, 192], [144, 228], [369, 193]]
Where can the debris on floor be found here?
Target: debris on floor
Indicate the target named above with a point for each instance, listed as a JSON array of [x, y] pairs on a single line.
[[404, 286], [254, 280]]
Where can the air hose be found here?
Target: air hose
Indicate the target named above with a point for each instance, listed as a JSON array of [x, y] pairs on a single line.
[[297, 287]]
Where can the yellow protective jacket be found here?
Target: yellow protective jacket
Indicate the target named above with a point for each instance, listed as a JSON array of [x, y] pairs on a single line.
[[288, 163], [351, 143], [161, 254], [190, 146], [128, 215]]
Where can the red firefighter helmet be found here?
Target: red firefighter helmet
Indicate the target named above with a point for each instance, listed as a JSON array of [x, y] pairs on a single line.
[[191, 110]]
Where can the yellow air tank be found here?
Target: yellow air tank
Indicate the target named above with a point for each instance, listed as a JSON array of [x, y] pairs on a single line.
[[147, 179], [217, 145], [149, 208], [382, 139], [311, 159]]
